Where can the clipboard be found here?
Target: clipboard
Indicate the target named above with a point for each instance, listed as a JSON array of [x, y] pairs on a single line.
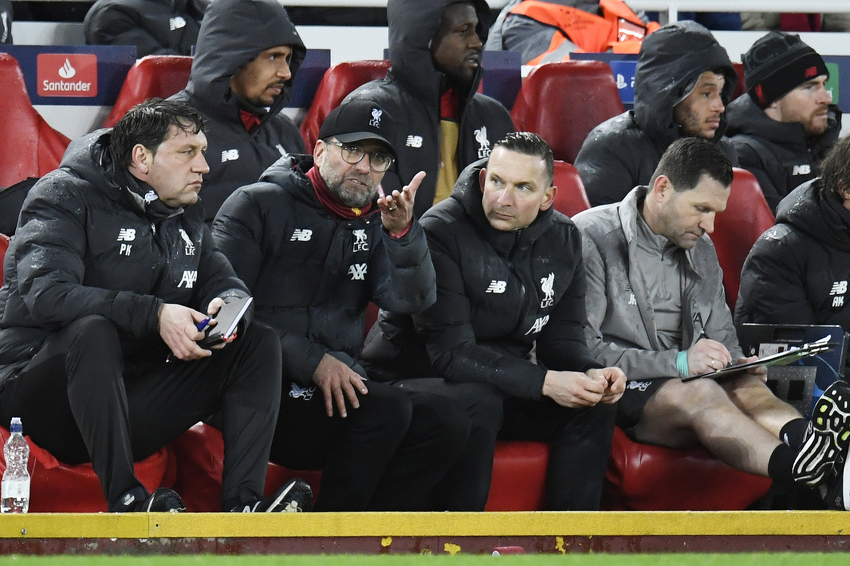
[[227, 320], [789, 356]]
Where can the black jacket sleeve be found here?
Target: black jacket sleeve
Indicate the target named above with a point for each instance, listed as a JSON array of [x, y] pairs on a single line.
[[405, 281]]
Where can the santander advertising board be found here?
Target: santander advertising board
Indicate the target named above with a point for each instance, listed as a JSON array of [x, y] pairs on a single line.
[[67, 74]]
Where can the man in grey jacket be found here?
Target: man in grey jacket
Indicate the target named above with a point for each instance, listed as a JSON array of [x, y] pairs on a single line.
[[656, 309]]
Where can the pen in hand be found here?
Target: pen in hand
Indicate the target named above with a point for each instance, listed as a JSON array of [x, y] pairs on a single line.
[[200, 326]]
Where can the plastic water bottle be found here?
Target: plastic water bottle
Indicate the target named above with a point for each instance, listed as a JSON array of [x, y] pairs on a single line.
[[15, 487]]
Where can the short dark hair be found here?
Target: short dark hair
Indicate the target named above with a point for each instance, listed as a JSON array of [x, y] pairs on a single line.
[[835, 169], [149, 124], [687, 159], [529, 143]]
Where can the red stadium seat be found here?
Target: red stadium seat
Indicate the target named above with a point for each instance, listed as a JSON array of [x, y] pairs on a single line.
[[642, 477], [29, 147], [338, 81], [564, 101], [154, 75], [737, 228], [740, 86], [59, 488], [519, 476], [199, 454], [571, 197]]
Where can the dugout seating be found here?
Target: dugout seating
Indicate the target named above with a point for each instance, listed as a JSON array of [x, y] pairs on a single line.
[[564, 101], [59, 488], [153, 75], [737, 228], [338, 81], [29, 147], [571, 197], [642, 477]]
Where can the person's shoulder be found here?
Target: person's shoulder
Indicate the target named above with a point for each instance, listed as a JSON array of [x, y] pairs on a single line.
[[445, 220], [599, 219]]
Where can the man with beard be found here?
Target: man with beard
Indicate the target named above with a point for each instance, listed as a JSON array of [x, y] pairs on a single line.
[[784, 128], [431, 89], [683, 81], [246, 60], [315, 245], [657, 310]]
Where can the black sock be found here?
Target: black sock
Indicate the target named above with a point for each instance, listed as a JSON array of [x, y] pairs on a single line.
[[793, 432], [780, 464]]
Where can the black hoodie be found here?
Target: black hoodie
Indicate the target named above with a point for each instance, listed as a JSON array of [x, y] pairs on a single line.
[[777, 153], [798, 271], [411, 95], [232, 34], [155, 27], [622, 152], [498, 294], [86, 245]]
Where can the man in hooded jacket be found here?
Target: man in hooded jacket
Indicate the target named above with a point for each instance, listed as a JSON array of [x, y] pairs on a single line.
[[155, 27], [797, 271], [246, 60], [683, 81], [443, 123], [108, 281]]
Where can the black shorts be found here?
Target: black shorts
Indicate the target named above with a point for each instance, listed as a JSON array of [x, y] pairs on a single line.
[[631, 404]]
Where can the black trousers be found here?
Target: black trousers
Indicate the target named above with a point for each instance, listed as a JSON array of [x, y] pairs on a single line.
[[386, 455], [82, 400], [580, 444]]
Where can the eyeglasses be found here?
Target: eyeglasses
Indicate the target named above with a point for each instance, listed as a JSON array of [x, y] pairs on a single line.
[[351, 154]]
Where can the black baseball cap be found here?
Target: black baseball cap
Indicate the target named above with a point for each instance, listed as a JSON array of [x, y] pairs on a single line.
[[359, 120]]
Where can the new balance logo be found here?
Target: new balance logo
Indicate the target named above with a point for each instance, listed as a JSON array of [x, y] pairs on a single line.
[[360, 243], [802, 170], [229, 155], [414, 141], [358, 272], [839, 288], [176, 22], [538, 325], [126, 234], [642, 385], [301, 235], [497, 286], [305, 393], [189, 278]]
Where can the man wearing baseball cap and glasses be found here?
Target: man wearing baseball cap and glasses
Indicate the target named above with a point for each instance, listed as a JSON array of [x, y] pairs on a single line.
[[315, 240]]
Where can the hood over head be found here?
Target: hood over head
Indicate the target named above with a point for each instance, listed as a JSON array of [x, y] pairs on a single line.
[[232, 34], [670, 62], [412, 26], [818, 213]]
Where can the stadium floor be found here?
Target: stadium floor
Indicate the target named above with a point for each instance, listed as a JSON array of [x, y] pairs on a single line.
[[425, 533]]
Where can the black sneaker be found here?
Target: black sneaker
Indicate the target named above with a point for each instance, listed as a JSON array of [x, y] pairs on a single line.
[[294, 497], [827, 436], [162, 500]]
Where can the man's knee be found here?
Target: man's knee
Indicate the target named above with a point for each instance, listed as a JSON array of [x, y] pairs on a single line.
[[385, 406]]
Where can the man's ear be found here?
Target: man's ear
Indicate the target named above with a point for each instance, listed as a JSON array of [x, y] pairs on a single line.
[[549, 198], [662, 188], [482, 177], [140, 158], [319, 151]]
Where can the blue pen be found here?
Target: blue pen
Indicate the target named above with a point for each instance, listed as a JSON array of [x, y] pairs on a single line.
[[203, 324]]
